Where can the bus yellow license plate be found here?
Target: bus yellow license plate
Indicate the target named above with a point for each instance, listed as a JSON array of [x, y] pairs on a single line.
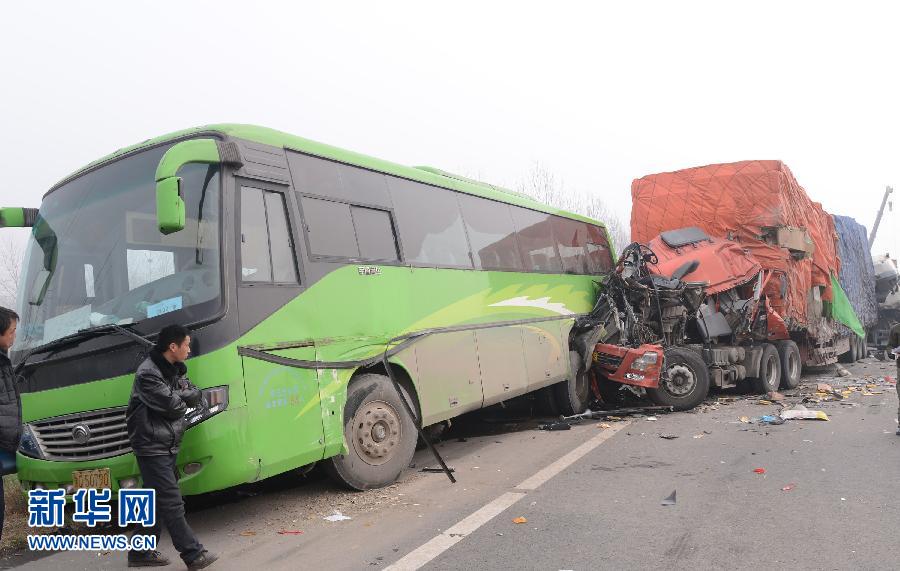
[[97, 479]]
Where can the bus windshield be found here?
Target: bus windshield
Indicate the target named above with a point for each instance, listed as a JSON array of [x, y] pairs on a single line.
[[95, 255]]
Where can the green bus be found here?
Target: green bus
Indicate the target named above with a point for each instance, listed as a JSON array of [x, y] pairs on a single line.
[[304, 271]]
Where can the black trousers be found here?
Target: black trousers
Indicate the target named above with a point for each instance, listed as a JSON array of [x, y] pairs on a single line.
[[2, 507], [160, 474]]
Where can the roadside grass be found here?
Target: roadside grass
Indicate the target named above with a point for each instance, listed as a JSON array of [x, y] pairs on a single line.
[[15, 526]]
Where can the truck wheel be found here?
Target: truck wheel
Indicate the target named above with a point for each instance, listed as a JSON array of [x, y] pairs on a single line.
[[684, 382], [574, 394], [380, 435], [769, 370], [791, 368]]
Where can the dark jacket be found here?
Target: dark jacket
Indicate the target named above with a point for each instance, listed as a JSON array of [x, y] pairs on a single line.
[[10, 407], [159, 398]]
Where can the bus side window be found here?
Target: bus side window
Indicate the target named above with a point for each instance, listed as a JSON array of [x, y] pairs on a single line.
[[266, 245], [536, 242], [571, 237], [599, 256]]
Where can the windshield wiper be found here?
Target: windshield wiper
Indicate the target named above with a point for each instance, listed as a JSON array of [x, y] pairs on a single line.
[[78, 337]]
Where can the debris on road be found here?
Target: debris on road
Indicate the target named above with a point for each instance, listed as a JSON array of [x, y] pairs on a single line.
[[290, 532], [800, 412], [788, 488], [745, 419], [670, 501], [520, 519], [651, 419], [248, 533], [760, 470], [430, 470], [556, 426], [338, 516], [771, 419], [668, 436], [604, 425]]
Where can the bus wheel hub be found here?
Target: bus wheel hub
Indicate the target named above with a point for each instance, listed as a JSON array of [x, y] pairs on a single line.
[[376, 432]]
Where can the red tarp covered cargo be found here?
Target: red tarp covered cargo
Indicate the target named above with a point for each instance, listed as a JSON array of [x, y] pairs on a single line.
[[760, 205]]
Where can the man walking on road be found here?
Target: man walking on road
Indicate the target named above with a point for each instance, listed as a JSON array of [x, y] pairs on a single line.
[[894, 347], [159, 398], [10, 403]]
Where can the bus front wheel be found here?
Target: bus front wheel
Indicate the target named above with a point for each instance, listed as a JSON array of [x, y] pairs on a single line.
[[380, 435], [574, 394]]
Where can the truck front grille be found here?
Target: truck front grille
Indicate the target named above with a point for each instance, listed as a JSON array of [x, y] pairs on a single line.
[[63, 437], [607, 361]]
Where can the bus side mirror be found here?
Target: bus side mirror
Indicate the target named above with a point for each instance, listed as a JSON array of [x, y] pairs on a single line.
[[17, 217], [169, 203]]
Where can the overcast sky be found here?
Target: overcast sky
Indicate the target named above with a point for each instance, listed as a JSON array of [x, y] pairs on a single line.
[[599, 96]]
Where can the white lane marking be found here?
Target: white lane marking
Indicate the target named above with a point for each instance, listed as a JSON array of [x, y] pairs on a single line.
[[423, 554], [570, 458], [441, 543]]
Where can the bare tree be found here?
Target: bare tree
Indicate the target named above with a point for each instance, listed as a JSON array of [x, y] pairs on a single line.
[[543, 186], [12, 254]]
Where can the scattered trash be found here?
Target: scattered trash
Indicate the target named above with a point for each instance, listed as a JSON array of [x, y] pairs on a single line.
[[520, 519], [248, 533], [763, 401], [745, 419], [604, 425], [824, 388], [771, 419], [774, 396], [890, 380], [760, 470], [698, 436], [842, 371], [651, 419], [668, 436], [338, 516], [291, 531], [800, 412], [843, 499], [670, 501], [788, 488]]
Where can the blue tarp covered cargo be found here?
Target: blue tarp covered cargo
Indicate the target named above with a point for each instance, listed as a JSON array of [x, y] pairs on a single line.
[[857, 275]]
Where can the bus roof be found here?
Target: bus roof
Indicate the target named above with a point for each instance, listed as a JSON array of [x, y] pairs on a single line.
[[428, 175]]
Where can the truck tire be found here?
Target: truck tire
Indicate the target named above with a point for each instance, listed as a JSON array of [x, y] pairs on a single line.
[[574, 394], [380, 435], [684, 382], [791, 367], [769, 370]]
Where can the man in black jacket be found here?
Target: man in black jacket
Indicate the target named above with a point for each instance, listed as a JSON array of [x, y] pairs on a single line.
[[159, 398], [10, 403]]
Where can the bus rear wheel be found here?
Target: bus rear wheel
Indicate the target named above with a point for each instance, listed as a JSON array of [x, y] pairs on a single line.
[[380, 435]]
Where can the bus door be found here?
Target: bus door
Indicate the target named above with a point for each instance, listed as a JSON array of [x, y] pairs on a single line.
[[285, 415], [283, 401]]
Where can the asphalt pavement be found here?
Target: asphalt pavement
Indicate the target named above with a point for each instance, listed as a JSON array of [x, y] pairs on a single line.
[[805, 494]]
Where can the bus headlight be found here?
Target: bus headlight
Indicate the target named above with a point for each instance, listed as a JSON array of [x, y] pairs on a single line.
[[214, 401], [28, 445]]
